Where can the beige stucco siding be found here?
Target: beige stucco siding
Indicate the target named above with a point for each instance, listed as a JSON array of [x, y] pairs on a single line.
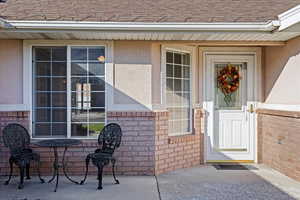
[[156, 74], [137, 74], [11, 74], [132, 74], [282, 73]]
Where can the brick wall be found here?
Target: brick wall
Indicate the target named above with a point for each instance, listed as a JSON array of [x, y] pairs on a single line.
[[136, 154], [279, 141], [134, 157], [175, 152], [146, 148]]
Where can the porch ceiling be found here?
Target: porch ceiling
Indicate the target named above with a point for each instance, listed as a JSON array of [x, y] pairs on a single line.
[[148, 35]]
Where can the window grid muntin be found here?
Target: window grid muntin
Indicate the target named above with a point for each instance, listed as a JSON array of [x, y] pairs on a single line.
[[87, 61], [35, 92], [173, 92], [68, 89]]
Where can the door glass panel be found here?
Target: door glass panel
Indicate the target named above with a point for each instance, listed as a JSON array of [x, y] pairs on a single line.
[[228, 86]]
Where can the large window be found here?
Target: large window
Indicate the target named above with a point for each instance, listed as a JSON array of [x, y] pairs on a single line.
[[178, 92], [68, 91]]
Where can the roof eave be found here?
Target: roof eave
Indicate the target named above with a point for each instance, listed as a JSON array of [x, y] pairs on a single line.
[[137, 26], [4, 24], [289, 18]]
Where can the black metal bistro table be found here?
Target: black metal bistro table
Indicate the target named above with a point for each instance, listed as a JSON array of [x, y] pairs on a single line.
[[59, 143]]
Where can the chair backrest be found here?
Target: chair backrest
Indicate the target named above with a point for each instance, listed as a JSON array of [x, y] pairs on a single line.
[[110, 138], [16, 138]]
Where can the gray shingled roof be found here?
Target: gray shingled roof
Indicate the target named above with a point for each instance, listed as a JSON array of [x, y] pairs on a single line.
[[146, 10]]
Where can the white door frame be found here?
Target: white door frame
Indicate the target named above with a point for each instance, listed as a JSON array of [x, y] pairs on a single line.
[[258, 95]]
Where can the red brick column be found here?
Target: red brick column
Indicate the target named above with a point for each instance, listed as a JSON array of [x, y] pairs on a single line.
[[136, 154], [279, 141], [175, 152]]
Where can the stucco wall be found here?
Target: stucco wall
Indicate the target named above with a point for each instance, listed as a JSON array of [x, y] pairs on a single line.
[[156, 73], [282, 70], [132, 73], [11, 72]]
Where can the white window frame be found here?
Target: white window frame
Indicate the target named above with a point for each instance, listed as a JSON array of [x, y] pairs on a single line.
[[27, 75], [182, 49]]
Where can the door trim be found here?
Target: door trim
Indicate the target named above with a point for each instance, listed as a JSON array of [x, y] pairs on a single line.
[[256, 52]]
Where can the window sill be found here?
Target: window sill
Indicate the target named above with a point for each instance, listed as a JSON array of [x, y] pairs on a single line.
[[52, 138]]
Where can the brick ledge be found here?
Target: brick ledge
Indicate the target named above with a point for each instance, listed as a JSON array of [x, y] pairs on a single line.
[[181, 138], [136, 113], [282, 113]]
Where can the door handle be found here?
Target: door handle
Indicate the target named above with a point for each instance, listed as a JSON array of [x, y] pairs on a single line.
[[251, 109]]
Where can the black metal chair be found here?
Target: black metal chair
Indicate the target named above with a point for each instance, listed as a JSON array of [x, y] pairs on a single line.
[[110, 139], [17, 139]]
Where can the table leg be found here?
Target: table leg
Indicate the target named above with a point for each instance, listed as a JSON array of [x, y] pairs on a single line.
[[57, 176], [55, 163], [64, 167], [56, 167]]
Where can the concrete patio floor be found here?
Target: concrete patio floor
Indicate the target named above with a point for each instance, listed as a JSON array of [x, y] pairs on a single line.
[[199, 183]]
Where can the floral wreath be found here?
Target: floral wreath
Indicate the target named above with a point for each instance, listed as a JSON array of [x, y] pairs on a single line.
[[228, 81]]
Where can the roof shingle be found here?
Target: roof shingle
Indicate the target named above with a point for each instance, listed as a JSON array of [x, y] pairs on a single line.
[[146, 10]]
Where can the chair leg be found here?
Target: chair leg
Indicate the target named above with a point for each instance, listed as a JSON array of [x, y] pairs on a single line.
[[100, 171], [10, 172], [87, 162], [113, 171], [27, 171], [21, 184]]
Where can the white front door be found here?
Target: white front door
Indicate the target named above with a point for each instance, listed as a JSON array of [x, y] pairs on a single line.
[[229, 102]]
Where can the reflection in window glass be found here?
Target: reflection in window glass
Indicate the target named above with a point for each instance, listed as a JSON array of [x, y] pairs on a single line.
[[87, 91], [178, 92], [88, 86]]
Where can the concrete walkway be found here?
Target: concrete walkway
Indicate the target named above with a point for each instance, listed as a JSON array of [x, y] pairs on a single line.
[[207, 183], [200, 183]]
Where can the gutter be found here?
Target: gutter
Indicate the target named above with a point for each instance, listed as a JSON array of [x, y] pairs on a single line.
[[139, 26], [4, 24], [289, 18]]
